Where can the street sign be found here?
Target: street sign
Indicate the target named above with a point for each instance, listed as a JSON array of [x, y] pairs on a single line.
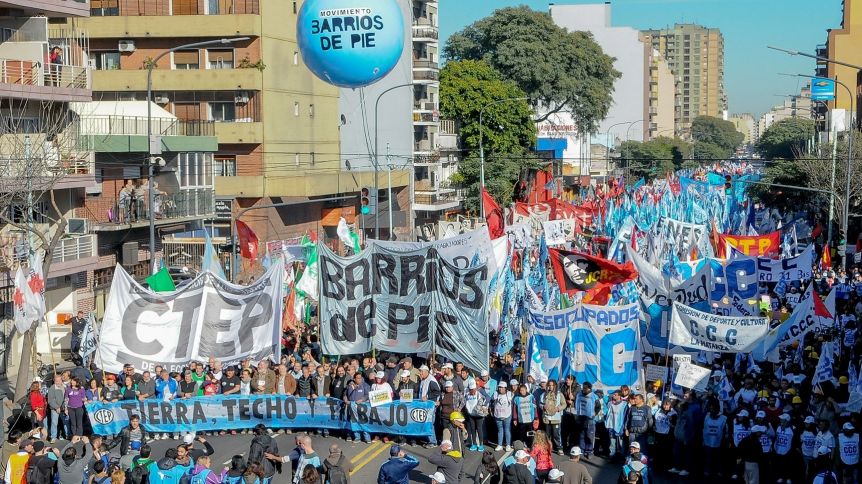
[[822, 89]]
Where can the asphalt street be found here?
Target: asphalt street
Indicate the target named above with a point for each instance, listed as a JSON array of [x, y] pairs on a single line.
[[367, 458]]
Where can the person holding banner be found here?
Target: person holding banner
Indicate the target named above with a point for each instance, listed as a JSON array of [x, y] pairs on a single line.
[[357, 392], [476, 404]]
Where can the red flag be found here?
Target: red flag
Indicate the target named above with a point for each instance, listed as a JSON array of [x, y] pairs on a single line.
[[580, 272], [493, 215], [247, 240], [819, 307], [635, 239], [826, 262], [816, 231]]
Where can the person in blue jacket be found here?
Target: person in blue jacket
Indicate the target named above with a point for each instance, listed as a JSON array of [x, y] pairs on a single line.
[[397, 469], [166, 470]]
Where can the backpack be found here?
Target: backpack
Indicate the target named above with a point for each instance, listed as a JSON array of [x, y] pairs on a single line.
[[336, 474], [550, 406]]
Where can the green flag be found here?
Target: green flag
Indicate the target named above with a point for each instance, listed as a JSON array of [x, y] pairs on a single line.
[[161, 281]]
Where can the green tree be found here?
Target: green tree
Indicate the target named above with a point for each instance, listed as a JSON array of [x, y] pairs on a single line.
[[720, 136], [653, 158], [566, 71], [468, 86], [785, 139]]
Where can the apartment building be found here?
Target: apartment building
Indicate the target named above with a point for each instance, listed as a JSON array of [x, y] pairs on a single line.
[[259, 127], [659, 111], [695, 55], [44, 171], [842, 44]]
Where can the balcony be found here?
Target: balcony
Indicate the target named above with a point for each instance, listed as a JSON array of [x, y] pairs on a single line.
[[436, 201], [30, 79], [127, 134], [425, 119], [425, 64], [184, 206], [423, 146], [119, 8], [425, 34], [74, 254], [424, 20], [49, 8], [422, 105], [179, 80], [426, 75]]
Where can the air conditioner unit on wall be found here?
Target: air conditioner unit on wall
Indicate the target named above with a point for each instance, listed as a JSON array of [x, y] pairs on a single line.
[[126, 46], [241, 97], [76, 226]]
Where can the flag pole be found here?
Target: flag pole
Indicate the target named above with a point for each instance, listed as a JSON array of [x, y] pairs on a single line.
[[667, 384]]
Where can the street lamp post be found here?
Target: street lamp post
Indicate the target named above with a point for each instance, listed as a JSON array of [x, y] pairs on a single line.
[[150, 161], [482, 148], [844, 221], [608, 142], [629, 127], [851, 133], [377, 164]]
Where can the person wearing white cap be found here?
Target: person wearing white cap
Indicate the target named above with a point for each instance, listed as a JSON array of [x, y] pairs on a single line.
[[450, 462], [404, 386], [824, 436], [555, 476], [783, 465], [808, 438], [573, 470], [848, 453], [485, 381], [741, 430], [476, 405], [450, 401], [437, 478], [502, 405], [429, 391], [380, 384], [519, 473]]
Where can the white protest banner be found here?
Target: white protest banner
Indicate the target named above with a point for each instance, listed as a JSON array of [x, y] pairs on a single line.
[[683, 236], [407, 300], [405, 395], [89, 340], [558, 232], [207, 318], [379, 397], [655, 373], [692, 376], [788, 269], [679, 360], [704, 331], [521, 235]]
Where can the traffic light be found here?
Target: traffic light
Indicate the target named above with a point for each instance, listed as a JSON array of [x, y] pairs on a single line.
[[368, 200], [728, 185]]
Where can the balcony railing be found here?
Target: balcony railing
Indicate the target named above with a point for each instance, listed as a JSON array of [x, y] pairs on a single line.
[[75, 248], [424, 106], [32, 73], [425, 64], [426, 75], [425, 118], [194, 202], [424, 21], [114, 8], [425, 33], [137, 126], [437, 198]]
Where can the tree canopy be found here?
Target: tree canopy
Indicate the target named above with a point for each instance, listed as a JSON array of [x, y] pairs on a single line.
[[468, 86], [561, 70], [714, 138], [653, 158], [786, 138]]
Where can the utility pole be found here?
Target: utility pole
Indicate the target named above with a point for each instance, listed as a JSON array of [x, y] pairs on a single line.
[[389, 192]]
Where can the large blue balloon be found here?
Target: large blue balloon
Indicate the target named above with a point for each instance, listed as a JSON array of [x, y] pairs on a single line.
[[350, 43]]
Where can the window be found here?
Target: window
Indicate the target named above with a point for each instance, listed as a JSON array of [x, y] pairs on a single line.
[[185, 7], [225, 165], [294, 6], [295, 58], [18, 213], [104, 8], [186, 59], [195, 170], [296, 109], [187, 111], [105, 61], [220, 58], [222, 111], [311, 110], [296, 159], [7, 34]]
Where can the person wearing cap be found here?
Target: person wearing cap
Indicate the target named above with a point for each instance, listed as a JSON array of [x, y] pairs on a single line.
[[639, 420], [784, 440], [476, 405], [429, 391], [437, 478], [555, 476], [404, 385], [488, 471], [516, 446], [808, 440], [16, 466], [823, 467], [751, 455], [448, 374], [574, 472], [450, 401], [448, 461], [518, 472], [848, 453], [502, 408], [406, 363], [486, 382], [357, 392]]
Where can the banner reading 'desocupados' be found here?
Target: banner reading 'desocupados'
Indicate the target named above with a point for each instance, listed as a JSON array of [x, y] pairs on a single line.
[[207, 318], [405, 301], [231, 412], [704, 331]]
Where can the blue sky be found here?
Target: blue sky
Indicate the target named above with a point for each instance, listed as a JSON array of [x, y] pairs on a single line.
[[751, 78]]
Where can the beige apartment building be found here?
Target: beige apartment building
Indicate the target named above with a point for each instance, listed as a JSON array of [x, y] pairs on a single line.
[[695, 55], [659, 110]]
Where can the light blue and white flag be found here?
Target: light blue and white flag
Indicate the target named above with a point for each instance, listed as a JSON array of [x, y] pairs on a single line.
[[210, 261], [823, 372]]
